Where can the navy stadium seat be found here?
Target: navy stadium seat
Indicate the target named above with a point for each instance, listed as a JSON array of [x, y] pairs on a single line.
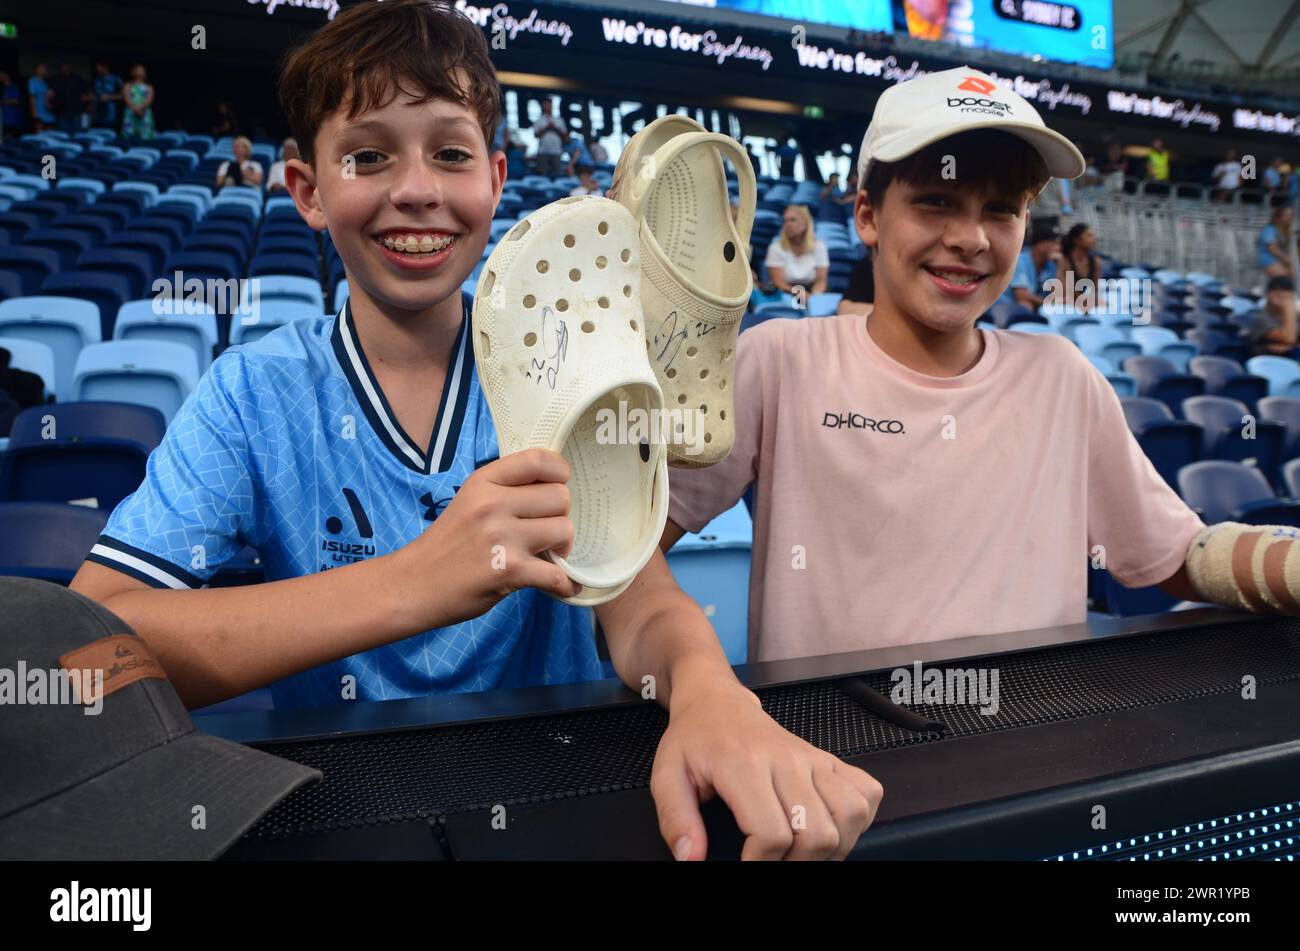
[[107, 291], [1157, 378], [32, 265], [1233, 492], [1284, 410], [47, 540], [1169, 443]]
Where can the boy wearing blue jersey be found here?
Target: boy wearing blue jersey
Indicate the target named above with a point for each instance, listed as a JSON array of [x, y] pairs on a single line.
[[356, 453]]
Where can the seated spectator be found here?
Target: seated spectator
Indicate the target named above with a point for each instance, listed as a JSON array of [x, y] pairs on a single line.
[[1227, 177], [1275, 244], [137, 118], [1091, 173], [245, 170], [587, 184], [25, 389], [860, 296], [598, 152], [1275, 176], [796, 258], [275, 178], [579, 155], [11, 108], [1273, 327], [1082, 268], [1037, 264], [106, 94]]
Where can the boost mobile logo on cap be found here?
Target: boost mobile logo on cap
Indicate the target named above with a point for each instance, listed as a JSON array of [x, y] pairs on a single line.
[[981, 102]]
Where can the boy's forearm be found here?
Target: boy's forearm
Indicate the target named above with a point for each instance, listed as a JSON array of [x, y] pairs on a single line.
[[655, 629], [216, 643]]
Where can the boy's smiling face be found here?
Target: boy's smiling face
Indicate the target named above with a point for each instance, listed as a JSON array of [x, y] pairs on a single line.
[[942, 253], [407, 192]]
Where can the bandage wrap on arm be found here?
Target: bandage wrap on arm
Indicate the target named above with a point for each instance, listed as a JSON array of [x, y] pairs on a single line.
[[1255, 567]]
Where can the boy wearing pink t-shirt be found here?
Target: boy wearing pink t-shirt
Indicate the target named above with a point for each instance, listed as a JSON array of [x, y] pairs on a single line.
[[919, 478]]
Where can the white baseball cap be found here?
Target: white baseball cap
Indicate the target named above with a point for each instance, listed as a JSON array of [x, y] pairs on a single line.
[[921, 111]]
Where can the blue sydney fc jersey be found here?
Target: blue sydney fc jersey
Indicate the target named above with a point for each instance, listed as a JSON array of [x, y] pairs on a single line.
[[288, 445]]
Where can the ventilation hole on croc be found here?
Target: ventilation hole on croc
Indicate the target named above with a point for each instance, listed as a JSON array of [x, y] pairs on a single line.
[[633, 325], [542, 267], [671, 372], [489, 281], [519, 230], [602, 301], [485, 343], [722, 384], [625, 255], [627, 290], [645, 451], [704, 410], [722, 414], [603, 227], [601, 262], [681, 397], [530, 300], [588, 327], [570, 240], [708, 437], [704, 374], [692, 351], [561, 304], [530, 339], [726, 354], [729, 252]]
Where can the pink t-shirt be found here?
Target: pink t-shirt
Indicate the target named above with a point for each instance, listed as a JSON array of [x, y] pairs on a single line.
[[896, 508]]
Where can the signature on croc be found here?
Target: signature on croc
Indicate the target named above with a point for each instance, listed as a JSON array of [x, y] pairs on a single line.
[[696, 281], [561, 356]]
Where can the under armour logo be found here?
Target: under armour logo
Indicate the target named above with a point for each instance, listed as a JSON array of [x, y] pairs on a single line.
[[432, 508], [975, 84]]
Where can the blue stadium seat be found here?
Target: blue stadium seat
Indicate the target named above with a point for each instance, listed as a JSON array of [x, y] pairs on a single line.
[[713, 568], [145, 372], [1234, 435], [150, 191], [47, 540], [107, 291], [157, 246], [1284, 410], [1157, 378], [271, 315], [195, 326], [32, 357], [283, 242], [64, 324], [32, 265], [1280, 372], [219, 265], [287, 287], [1169, 443], [68, 245], [1291, 478], [302, 265], [91, 452], [823, 305], [1234, 492], [1225, 377]]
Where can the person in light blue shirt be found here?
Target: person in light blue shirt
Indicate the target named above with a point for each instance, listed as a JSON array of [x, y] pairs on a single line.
[[1036, 265], [1274, 243], [579, 154], [38, 97]]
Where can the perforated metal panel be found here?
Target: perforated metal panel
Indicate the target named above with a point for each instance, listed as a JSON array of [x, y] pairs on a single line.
[[412, 773]]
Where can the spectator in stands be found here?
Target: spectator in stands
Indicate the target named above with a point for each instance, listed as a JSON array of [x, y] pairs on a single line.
[[1082, 268], [1273, 327], [599, 154], [1036, 265], [1091, 173], [1158, 162], [11, 108], [587, 184], [1274, 177], [550, 142], [39, 99], [137, 118], [70, 94], [245, 170], [786, 154], [226, 122], [797, 258], [578, 154], [107, 93], [1275, 244], [516, 167], [1227, 177], [830, 206], [27, 389], [860, 296], [1114, 168], [1052, 202], [275, 178]]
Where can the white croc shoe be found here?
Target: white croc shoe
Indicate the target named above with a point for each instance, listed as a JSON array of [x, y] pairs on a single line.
[[561, 357], [696, 281]]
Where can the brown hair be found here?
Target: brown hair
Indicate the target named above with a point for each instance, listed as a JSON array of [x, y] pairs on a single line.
[[373, 51], [986, 160]]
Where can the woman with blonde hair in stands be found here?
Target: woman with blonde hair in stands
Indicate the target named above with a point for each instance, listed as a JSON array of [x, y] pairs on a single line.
[[244, 170], [797, 258], [1275, 244]]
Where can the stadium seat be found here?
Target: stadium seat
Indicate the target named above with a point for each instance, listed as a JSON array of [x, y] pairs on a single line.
[[32, 357], [107, 291], [1163, 342], [1225, 377], [93, 453], [1169, 443], [32, 265], [823, 305], [144, 372], [270, 315], [1284, 410], [67, 244], [195, 326], [286, 287], [1280, 372], [47, 540], [1233, 492], [713, 568], [1158, 379], [1291, 478], [64, 324], [302, 265], [1234, 435]]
